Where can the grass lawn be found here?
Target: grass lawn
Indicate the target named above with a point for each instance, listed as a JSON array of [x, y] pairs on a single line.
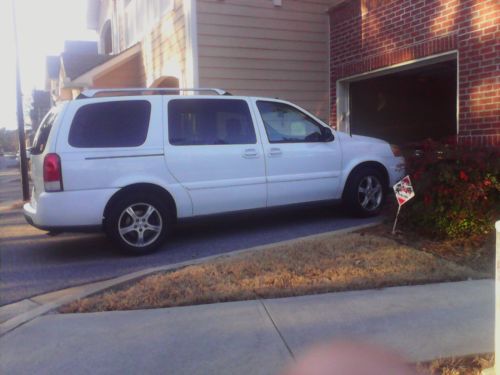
[[476, 252], [470, 365], [328, 263]]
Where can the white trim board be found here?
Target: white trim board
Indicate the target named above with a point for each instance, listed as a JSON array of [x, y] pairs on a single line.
[[407, 65]]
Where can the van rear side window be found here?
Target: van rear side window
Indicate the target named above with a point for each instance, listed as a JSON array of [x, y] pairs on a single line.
[[43, 132], [210, 122], [111, 124]]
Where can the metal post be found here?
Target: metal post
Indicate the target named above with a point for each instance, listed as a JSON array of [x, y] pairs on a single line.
[[497, 298], [494, 370], [20, 116], [396, 221]]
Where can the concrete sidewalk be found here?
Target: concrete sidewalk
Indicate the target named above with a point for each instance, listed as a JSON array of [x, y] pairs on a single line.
[[255, 337]]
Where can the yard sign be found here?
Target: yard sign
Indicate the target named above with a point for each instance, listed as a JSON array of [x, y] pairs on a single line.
[[404, 192]]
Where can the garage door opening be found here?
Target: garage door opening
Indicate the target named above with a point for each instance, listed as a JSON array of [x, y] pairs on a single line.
[[406, 106]]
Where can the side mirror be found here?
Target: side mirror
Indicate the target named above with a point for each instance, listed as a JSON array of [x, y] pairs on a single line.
[[327, 134]]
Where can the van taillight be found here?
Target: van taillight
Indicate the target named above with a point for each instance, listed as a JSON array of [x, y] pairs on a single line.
[[52, 174]]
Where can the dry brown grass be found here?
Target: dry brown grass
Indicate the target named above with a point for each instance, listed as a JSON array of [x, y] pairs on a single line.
[[476, 252], [470, 365], [11, 205], [326, 264], [17, 205]]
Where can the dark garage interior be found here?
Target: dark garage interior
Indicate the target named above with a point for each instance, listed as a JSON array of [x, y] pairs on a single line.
[[406, 106]]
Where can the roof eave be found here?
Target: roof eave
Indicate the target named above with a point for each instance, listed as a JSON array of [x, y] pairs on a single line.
[[87, 77]]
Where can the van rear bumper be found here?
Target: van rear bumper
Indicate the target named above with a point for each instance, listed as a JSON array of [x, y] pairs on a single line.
[[66, 229], [68, 211]]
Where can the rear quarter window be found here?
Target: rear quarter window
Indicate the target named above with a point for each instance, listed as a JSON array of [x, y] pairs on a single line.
[[43, 132], [111, 124]]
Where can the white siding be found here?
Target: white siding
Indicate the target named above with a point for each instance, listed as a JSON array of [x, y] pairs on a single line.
[[162, 39], [164, 48]]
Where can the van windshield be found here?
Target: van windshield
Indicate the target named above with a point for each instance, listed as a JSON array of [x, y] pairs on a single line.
[[42, 134]]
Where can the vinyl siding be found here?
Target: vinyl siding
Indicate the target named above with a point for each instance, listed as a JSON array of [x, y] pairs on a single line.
[[255, 48], [164, 48], [128, 74]]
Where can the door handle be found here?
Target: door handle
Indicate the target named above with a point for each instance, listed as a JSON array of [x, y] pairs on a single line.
[[275, 151], [250, 153]]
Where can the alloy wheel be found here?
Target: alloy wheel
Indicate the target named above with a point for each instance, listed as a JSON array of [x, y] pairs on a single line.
[[140, 224], [370, 193]]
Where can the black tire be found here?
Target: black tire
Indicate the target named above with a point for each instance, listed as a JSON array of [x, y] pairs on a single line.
[[126, 230], [368, 202]]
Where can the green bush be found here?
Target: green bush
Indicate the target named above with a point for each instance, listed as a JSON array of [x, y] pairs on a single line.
[[457, 190]]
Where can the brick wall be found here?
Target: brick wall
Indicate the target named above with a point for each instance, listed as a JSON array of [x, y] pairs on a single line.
[[371, 34]]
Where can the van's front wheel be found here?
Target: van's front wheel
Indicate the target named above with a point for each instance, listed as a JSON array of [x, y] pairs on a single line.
[[364, 193], [138, 224]]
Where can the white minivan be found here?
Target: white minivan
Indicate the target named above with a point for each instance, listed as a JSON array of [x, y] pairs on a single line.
[[133, 161]]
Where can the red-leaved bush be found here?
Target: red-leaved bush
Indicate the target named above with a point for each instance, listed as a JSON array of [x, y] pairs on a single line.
[[457, 190]]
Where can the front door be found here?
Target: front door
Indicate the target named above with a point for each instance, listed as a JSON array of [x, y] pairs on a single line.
[[214, 151], [303, 158]]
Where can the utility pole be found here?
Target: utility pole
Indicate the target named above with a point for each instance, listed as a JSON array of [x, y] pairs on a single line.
[[20, 116]]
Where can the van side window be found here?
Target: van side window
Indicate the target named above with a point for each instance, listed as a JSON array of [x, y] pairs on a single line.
[[210, 122], [43, 132], [111, 124], [286, 124]]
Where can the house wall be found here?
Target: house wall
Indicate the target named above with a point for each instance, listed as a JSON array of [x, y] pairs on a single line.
[[367, 35], [106, 13], [128, 74], [164, 48], [163, 45], [256, 48]]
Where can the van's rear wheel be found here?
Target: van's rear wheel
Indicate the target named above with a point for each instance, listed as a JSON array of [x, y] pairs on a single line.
[[364, 193], [138, 223]]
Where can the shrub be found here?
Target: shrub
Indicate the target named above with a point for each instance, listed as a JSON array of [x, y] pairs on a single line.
[[457, 190]]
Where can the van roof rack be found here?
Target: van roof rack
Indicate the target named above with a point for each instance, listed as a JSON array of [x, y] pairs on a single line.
[[144, 90]]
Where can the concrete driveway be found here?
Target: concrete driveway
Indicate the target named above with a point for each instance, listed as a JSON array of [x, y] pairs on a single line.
[[33, 263]]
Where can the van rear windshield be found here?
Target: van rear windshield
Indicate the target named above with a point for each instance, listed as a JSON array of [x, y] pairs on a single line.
[[42, 134]]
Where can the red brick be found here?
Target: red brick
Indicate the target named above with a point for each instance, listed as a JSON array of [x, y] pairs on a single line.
[[391, 32]]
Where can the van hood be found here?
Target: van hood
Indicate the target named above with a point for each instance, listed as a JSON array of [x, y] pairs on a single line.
[[360, 138]]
